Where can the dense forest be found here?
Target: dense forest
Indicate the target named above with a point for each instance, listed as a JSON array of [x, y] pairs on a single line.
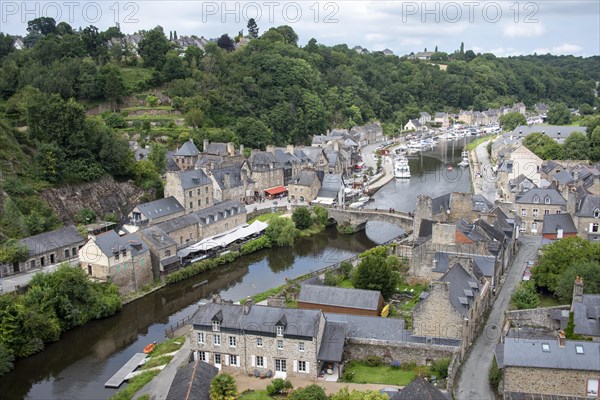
[[270, 90]]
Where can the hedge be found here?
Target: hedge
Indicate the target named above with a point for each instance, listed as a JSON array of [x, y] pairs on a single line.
[[253, 245], [201, 266]]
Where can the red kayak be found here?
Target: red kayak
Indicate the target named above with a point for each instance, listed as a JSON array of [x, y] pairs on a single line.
[[148, 349]]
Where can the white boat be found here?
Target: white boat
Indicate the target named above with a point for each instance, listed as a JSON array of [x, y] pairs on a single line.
[[364, 199], [357, 204], [415, 145], [465, 159], [403, 147], [401, 168]]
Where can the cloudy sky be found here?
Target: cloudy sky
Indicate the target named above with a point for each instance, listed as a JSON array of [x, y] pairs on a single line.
[[501, 27]]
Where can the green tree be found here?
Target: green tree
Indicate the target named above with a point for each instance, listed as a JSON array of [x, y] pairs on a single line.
[[373, 273], [301, 218], [6, 45], [253, 132], [543, 146], [158, 157], [510, 121], [589, 271], [153, 48], [86, 216], [226, 43], [310, 392], [223, 387], [559, 114], [281, 231], [12, 252], [576, 147], [525, 296], [595, 145], [94, 43], [114, 88], [321, 215], [252, 28], [194, 118], [6, 359], [42, 25]]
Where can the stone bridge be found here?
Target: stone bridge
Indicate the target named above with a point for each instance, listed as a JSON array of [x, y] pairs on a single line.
[[357, 219]]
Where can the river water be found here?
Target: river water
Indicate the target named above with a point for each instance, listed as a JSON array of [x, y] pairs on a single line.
[[77, 366]]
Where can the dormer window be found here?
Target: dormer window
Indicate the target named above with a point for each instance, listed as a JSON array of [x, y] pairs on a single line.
[[536, 199], [597, 213], [547, 200], [216, 326], [279, 330]]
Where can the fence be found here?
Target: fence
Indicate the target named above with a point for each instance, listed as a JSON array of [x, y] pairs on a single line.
[[170, 331]]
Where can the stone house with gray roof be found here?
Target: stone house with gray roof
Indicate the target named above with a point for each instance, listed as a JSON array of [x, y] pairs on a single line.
[[163, 250], [557, 132], [187, 155], [49, 248], [305, 186], [340, 300], [123, 260], [218, 155], [558, 226], [156, 211], [264, 169], [230, 183], [586, 312], [549, 368], [192, 189], [585, 209], [532, 205], [290, 163]]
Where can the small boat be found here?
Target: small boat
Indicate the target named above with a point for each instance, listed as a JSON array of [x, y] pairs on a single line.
[[449, 167], [148, 349], [401, 168], [364, 199], [465, 159]]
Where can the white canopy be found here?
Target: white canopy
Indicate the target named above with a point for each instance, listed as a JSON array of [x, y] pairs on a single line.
[[225, 239]]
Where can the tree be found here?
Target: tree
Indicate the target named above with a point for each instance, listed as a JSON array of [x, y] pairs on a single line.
[[12, 252], [281, 231], [543, 146], [252, 28], [6, 359], [114, 88], [510, 121], [158, 157], [310, 392], [253, 132], [194, 118], [558, 256], [321, 215], [223, 387], [94, 43], [373, 273], [86, 216], [42, 25], [525, 296], [6, 45], [559, 114], [595, 145], [576, 147], [226, 43], [589, 271], [153, 48], [301, 218]]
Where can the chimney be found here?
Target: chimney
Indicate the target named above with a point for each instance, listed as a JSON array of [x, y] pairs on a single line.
[[230, 149], [241, 150], [216, 298], [578, 290], [205, 145], [290, 148], [561, 338], [247, 306], [227, 181]]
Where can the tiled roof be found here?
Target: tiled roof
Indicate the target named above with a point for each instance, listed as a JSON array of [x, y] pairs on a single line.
[[340, 297], [111, 243], [541, 195], [192, 382], [188, 149], [160, 208], [193, 178], [47, 241], [554, 221]]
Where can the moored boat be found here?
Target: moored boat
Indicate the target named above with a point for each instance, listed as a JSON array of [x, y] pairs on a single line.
[[149, 348]]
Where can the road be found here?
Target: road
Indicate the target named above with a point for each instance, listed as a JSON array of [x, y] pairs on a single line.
[[9, 283], [473, 383], [486, 184]]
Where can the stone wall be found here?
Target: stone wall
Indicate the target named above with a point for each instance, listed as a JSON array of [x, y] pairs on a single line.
[[548, 381], [435, 316], [421, 353], [537, 317]]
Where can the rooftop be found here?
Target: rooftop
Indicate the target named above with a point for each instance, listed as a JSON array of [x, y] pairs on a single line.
[[44, 242], [340, 297]]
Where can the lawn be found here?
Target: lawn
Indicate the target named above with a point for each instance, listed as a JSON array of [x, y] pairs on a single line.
[[256, 395], [547, 300], [346, 283], [133, 76], [156, 361], [265, 217], [382, 374], [168, 346]]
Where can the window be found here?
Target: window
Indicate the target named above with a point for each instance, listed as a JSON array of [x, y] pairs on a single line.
[[280, 345], [547, 200], [301, 366], [217, 340], [258, 342], [198, 192], [596, 213], [206, 201], [280, 365], [546, 212], [279, 330], [301, 346], [233, 360], [124, 253], [534, 212], [217, 358], [74, 251], [191, 204], [260, 361], [190, 193], [523, 212], [595, 228], [206, 189], [579, 349], [116, 256], [545, 347], [558, 211], [231, 341], [216, 326], [534, 227], [201, 338], [202, 356], [199, 202], [66, 253], [167, 253], [592, 387], [536, 199]]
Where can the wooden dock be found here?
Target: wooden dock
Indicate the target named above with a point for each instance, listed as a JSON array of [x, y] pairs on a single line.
[[117, 379]]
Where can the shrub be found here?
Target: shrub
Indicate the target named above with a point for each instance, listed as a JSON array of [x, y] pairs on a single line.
[[373, 361], [257, 244], [408, 365], [301, 218], [495, 375], [525, 296], [321, 215], [332, 279], [201, 266], [440, 368], [278, 386], [347, 376], [223, 387], [346, 269], [311, 392]]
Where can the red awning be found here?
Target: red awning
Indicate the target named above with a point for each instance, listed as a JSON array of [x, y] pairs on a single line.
[[276, 190]]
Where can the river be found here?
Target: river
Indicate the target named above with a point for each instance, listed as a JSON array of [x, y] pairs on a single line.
[[77, 366]]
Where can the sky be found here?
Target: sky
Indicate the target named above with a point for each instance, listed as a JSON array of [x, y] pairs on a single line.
[[503, 28]]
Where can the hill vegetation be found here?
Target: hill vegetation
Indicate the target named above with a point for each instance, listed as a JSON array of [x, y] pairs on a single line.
[[83, 94]]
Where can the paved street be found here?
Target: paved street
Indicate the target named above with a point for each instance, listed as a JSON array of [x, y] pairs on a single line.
[[9, 283], [474, 383], [486, 184]]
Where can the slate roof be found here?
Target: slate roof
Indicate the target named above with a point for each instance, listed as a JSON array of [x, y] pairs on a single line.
[[440, 203], [587, 204], [516, 352], [471, 231], [481, 204], [304, 178], [234, 174], [587, 315], [550, 166], [334, 338], [552, 131], [110, 243], [340, 297], [311, 154], [538, 396], [261, 319], [442, 261], [420, 389], [192, 382], [553, 221], [160, 208], [460, 284], [217, 149], [157, 238], [263, 161], [332, 182], [200, 217], [563, 178], [44, 242], [193, 178], [554, 196], [286, 159], [171, 164], [365, 327], [188, 149], [485, 264]]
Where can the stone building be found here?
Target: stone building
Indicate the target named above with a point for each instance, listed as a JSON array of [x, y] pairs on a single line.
[[192, 188], [585, 210], [219, 155], [123, 260], [340, 300], [186, 156], [586, 312], [549, 368], [305, 186], [49, 248], [230, 183], [156, 211], [264, 169], [163, 250], [291, 164], [192, 381], [558, 226], [534, 204]]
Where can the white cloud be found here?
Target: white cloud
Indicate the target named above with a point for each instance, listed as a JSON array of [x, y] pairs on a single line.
[[513, 30], [564, 48]]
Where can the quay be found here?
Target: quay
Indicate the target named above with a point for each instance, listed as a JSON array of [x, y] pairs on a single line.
[[122, 375]]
